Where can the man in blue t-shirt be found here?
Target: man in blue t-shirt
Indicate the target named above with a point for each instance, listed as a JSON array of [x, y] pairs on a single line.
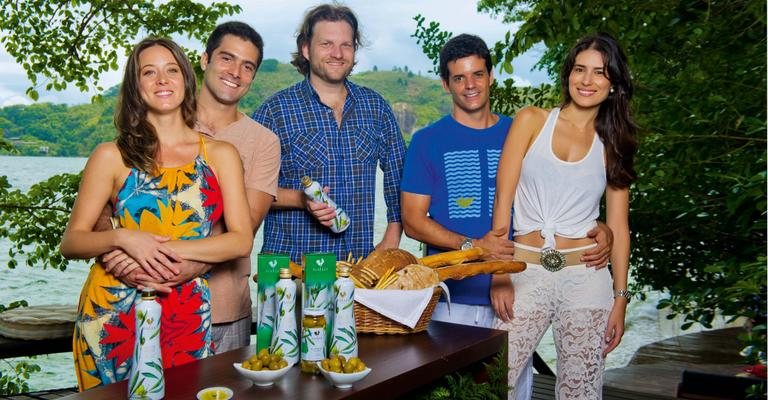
[[449, 177], [449, 182]]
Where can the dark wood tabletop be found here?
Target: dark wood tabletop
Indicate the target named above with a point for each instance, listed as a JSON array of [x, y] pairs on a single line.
[[399, 363]]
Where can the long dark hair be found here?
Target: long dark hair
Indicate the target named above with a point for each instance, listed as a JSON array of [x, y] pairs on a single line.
[[614, 121], [324, 12], [136, 137]]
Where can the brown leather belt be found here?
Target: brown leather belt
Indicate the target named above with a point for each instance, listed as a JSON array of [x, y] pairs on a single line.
[[535, 257]]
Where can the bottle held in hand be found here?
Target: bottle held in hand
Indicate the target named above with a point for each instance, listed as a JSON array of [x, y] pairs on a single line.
[[315, 192]]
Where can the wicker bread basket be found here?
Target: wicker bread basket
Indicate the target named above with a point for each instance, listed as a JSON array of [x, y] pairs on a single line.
[[369, 321]]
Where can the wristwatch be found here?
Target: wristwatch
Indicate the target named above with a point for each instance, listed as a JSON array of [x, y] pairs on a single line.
[[623, 293], [466, 243]]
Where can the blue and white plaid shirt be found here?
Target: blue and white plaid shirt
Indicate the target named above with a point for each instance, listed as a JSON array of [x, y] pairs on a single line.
[[341, 157]]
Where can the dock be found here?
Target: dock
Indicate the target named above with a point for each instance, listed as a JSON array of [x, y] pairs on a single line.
[[657, 368]]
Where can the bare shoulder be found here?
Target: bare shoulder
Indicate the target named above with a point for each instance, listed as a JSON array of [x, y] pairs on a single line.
[[532, 115], [221, 152], [106, 149], [528, 122], [219, 147], [106, 154]]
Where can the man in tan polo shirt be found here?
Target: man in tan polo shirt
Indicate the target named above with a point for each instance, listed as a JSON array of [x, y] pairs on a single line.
[[232, 56]]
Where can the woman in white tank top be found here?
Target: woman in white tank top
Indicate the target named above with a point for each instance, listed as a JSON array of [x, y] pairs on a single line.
[[555, 167]]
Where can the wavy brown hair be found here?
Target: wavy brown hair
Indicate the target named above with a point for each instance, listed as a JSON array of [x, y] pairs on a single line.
[[614, 123], [324, 12], [136, 136]]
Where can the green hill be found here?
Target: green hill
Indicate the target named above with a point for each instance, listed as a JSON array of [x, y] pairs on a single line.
[[62, 130]]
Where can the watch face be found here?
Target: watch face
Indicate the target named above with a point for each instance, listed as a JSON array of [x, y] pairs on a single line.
[[466, 244]]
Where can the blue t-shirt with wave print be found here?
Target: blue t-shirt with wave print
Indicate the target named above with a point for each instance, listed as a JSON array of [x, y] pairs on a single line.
[[456, 166]]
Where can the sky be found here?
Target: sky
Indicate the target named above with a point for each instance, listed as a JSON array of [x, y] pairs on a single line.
[[386, 26]]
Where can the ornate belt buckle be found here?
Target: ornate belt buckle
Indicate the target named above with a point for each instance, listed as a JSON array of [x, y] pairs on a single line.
[[552, 260]]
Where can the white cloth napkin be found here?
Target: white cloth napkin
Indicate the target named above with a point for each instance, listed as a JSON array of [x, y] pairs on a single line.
[[403, 306]]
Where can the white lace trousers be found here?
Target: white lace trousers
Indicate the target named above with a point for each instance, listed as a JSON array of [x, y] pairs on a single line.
[[577, 302]]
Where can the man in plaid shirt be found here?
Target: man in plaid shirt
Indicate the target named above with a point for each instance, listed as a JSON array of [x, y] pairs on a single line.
[[335, 132]]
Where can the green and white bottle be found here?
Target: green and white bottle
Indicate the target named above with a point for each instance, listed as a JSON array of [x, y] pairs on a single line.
[[285, 339], [315, 192], [266, 327], [146, 380], [344, 337]]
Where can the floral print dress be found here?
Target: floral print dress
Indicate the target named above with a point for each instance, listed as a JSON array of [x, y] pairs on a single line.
[[182, 203]]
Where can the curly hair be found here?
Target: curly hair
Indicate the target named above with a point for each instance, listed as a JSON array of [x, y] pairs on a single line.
[[324, 12], [136, 136]]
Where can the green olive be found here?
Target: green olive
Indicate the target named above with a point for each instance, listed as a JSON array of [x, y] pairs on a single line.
[[334, 364], [349, 368]]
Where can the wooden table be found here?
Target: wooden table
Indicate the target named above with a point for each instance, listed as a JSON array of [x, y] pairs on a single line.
[[399, 363]]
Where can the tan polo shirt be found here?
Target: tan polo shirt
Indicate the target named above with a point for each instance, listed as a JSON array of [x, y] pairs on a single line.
[[259, 150]]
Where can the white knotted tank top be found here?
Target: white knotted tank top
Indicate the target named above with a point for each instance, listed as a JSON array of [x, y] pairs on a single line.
[[558, 197]]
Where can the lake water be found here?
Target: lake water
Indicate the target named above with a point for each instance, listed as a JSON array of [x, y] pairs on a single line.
[[644, 324]]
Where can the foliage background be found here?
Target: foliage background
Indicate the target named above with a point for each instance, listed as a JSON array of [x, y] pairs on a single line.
[[76, 130], [698, 212]]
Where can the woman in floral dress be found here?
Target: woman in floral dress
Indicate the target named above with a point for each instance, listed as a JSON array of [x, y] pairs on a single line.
[[168, 187]]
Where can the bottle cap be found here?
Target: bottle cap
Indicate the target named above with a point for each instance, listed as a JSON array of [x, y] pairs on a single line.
[[343, 270], [148, 294], [306, 181], [315, 312], [285, 273]]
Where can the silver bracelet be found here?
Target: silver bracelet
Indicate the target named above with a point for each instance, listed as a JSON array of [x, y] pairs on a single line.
[[623, 293]]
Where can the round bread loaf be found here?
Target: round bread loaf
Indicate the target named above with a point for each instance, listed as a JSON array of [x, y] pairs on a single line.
[[415, 276]]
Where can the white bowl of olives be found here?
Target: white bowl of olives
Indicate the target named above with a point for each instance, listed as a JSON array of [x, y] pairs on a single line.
[[263, 369], [343, 373]]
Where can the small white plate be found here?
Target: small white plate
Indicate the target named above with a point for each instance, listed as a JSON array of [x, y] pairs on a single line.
[[215, 393], [262, 378], [341, 380]]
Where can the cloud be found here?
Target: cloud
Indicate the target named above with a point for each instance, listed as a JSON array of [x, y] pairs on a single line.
[[387, 26]]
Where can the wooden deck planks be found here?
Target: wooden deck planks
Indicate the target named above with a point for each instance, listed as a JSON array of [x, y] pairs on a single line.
[[42, 395], [544, 389], [719, 346], [657, 368]]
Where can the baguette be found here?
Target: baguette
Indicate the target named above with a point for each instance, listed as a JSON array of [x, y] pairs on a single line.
[[453, 257], [380, 261], [461, 271]]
